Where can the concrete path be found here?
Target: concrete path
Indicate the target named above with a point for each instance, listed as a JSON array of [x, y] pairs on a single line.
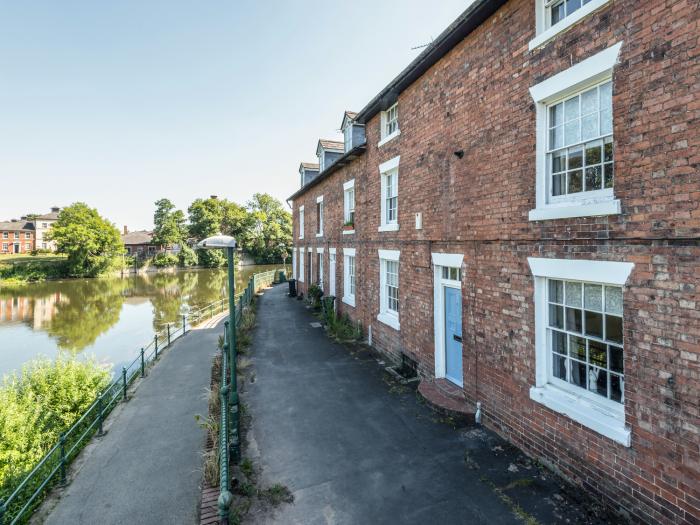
[[147, 468], [355, 447]]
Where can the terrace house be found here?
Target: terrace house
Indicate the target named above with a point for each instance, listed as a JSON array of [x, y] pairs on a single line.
[[518, 214]]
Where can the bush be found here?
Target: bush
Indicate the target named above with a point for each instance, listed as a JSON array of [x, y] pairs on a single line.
[[211, 258], [40, 403], [164, 259], [38, 270], [341, 327], [187, 257]]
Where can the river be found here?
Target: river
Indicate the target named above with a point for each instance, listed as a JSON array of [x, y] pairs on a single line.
[[108, 318]]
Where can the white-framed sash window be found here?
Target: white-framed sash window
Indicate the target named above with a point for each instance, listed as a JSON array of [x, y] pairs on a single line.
[[301, 222], [389, 124], [555, 16], [302, 255], [389, 209], [349, 205], [349, 276], [579, 347], [389, 288], [319, 216]]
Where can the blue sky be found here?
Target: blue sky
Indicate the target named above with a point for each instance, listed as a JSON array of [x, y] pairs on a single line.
[[121, 103]]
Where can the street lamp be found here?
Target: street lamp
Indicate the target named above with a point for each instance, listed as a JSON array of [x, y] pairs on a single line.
[[283, 247], [225, 242]]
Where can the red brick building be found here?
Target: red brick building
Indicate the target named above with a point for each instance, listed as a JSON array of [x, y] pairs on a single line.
[[17, 237], [518, 212]]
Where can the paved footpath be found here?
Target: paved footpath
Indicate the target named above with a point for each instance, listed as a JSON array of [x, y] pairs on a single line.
[[147, 468], [355, 448]]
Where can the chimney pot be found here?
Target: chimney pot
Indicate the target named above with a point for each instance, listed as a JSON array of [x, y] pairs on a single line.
[[213, 197], [55, 209], [126, 230]]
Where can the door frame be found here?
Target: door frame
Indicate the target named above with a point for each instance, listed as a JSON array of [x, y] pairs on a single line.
[[452, 260], [331, 271]]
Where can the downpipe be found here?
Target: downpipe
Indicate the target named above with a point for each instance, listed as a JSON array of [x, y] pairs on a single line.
[[477, 416]]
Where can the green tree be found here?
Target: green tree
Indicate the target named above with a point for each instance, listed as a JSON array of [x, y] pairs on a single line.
[[168, 224], [270, 230], [90, 241]]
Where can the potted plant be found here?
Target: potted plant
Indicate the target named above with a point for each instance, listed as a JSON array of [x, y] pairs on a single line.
[[348, 226]]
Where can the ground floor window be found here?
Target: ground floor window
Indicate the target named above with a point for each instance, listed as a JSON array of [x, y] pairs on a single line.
[[579, 347], [349, 276], [389, 288], [301, 264]]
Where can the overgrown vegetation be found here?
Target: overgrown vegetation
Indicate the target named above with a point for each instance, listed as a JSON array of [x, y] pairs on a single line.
[[164, 260], [341, 327], [30, 269], [39, 404], [314, 294]]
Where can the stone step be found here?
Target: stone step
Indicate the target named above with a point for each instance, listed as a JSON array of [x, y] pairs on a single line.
[[446, 398]]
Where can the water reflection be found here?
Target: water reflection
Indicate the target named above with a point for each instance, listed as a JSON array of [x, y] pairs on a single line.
[[105, 315]]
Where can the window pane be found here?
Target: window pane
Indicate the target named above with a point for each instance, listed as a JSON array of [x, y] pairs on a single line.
[[593, 297], [573, 320], [597, 354], [578, 373], [571, 109], [575, 181], [594, 324], [616, 359], [613, 328], [556, 137], [598, 381], [613, 300], [593, 154], [559, 367], [556, 291], [575, 158], [573, 294], [572, 5], [556, 115], [589, 101], [594, 178], [606, 124], [605, 92], [558, 161], [557, 13], [572, 132], [608, 150], [556, 316], [609, 176], [558, 342], [577, 347], [617, 384]]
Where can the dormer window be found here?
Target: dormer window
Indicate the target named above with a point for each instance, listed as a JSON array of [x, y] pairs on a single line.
[[389, 124], [321, 164], [347, 136]]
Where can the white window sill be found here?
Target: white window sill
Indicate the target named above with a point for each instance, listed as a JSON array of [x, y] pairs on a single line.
[[566, 23], [319, 235], [389, 138], [389, 227], [589, 414], [610, 207], [350, 301], [389, 320], [348, 232]]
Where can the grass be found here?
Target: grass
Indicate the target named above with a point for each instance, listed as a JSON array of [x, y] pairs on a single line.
[[6, 258]]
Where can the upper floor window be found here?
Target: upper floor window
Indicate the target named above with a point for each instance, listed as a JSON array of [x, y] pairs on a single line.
[[27, 235], [575, 148], [301, 222], [319, 216], [44, 225], [580, 142], [349, 205], [16, 235], [554, 16], [5, 235], [389, 195], [389, 122]]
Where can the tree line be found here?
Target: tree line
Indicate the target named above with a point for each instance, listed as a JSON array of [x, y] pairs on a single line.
[[93, 245]]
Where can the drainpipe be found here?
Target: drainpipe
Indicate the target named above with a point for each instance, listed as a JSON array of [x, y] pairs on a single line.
[[477, 416]]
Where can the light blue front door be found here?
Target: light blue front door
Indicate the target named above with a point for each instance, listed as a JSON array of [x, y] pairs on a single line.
[[453, 335]]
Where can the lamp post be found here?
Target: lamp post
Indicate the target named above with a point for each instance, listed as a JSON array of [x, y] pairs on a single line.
[[225, 242], [283, 247]]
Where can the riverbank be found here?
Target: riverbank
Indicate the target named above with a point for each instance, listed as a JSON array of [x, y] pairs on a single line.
[[32, 268]]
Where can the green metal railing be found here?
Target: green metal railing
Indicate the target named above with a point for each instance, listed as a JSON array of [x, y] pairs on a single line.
[[228, 418]]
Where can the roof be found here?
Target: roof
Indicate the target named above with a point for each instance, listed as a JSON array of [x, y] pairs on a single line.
[[331, 144], [309, 166], [346, 159], [15, 226], [348, 115], [138, 237], [53, 216], [457, 31]]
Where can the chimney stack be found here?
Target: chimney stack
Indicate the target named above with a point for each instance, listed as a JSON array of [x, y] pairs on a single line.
[[126, 230], [213, 197], [55, 209]]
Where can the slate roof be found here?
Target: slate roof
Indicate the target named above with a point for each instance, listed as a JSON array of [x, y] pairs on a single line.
[[309, 166], [53, 216], [138, 237], [331, 144], [16, 226]]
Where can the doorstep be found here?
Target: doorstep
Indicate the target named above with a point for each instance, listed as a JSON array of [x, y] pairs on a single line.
[[446, 398]]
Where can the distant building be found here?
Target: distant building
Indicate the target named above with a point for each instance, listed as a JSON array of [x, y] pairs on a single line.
[[139, 243], [16, 236], [42, 225]]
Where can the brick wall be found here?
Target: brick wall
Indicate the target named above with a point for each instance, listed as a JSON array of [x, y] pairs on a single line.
[[476, 99]]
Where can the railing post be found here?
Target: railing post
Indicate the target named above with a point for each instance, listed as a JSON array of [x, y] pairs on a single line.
[[100, 416], [124, 382], [62, 441], [2, 511], [155, 339], [184, 324], [168, 325], [142, 363], [211, 310]]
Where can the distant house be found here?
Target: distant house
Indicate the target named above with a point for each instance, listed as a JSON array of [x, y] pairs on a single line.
[[16, 236], [139, 243], [42, 225]]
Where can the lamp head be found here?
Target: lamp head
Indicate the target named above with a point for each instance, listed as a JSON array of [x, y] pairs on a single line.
[[217, 242]]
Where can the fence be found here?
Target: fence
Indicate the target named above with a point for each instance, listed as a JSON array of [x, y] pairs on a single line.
[[228, 417]]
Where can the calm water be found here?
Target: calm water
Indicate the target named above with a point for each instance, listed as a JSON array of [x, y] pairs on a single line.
[[109, 319]]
